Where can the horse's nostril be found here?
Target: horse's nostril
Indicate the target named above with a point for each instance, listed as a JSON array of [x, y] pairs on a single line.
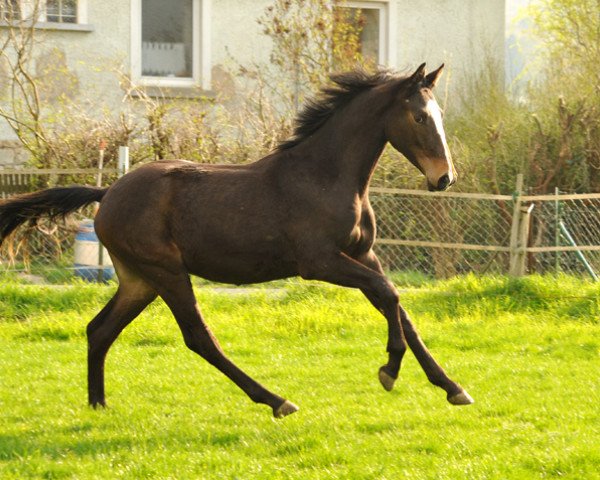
[[443, 182]]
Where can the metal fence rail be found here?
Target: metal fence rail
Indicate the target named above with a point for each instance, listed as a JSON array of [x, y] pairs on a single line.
[[439, 234]]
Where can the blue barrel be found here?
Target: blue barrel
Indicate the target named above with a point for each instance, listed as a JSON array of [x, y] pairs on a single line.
[[87, 255]]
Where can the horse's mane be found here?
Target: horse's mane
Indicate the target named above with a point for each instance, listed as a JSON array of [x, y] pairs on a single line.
[[345, 87]]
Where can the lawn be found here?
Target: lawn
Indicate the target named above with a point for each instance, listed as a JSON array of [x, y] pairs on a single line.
[[527, 350]]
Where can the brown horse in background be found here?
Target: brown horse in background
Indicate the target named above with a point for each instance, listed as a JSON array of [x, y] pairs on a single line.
[[302, 210]]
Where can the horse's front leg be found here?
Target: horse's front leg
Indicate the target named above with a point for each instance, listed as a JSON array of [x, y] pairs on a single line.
[[456, 395], [340, 269]]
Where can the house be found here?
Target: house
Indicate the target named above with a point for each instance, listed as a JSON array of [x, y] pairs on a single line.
[[185, 44]]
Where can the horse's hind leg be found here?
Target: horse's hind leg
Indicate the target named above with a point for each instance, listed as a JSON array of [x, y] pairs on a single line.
[[176, 290], [132, 296]]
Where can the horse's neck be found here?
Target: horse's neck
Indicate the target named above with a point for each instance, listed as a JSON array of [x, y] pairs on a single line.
[[349, 145]]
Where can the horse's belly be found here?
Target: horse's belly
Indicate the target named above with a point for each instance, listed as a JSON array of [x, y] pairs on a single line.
[[238, 266]]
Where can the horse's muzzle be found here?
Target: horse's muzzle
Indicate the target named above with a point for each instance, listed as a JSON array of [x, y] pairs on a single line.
[[443, 184]]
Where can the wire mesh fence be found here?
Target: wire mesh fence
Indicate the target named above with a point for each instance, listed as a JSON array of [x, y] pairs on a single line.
[[565, 234], [45, 252], [437, 234], [441, 234]]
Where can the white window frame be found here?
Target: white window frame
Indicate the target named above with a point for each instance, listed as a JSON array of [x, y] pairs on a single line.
[[200, 50], [388, 49], [82, 12]]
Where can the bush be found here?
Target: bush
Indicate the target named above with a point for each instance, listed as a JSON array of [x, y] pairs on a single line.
[[551, 133]]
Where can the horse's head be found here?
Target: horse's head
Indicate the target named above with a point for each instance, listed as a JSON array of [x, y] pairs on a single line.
[[414, 127]]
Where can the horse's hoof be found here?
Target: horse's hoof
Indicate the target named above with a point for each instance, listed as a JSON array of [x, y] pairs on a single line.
[[285, 409], [461, 398], [97, 405], [387, 381]]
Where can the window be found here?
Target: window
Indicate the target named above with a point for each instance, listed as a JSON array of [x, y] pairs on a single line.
[[170, 43], [167, 38], [61, 11], [9, 10], [373, 20], [48, 13]]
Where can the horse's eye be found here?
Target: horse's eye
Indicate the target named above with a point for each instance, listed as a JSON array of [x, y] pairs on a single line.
[[420, 119]]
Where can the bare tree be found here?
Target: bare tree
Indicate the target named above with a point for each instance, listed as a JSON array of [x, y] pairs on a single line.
[[21, 105]]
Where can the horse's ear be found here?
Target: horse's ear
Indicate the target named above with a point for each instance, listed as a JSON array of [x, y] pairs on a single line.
[[419, 74], [432, 78]]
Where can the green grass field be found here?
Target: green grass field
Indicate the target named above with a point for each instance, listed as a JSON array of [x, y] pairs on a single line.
[[528, 351]]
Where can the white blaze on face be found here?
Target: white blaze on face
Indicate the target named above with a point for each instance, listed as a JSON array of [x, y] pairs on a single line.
[[436, 114]]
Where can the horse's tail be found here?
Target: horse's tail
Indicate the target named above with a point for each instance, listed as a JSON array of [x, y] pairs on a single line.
[[52, 203]]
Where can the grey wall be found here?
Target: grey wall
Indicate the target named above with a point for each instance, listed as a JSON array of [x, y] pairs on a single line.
[[460, 33]]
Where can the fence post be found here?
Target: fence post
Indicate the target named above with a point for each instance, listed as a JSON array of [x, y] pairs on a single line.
[[123, 160], [99, 184], [521, 264], [556, 229], [514, 231]]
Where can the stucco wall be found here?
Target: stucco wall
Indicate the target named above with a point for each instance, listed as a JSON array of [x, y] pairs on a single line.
[[236, 33], [94, 56], [81, 63], [458, 32], [236, 39], [463, 34]]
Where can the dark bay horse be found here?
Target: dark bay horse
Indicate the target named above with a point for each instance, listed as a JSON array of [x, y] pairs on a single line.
[[302, 210]]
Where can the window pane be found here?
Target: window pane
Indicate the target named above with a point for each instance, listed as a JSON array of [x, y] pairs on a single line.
[[369, 35], [9, 10], [363, 22], [64, 11], [53, 10], [69, 11], [167, 38]]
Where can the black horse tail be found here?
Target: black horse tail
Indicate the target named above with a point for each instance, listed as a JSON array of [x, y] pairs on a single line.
[[52, 202]]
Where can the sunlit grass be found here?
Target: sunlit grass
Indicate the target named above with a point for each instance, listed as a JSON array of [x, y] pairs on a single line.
[[527, 350]]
